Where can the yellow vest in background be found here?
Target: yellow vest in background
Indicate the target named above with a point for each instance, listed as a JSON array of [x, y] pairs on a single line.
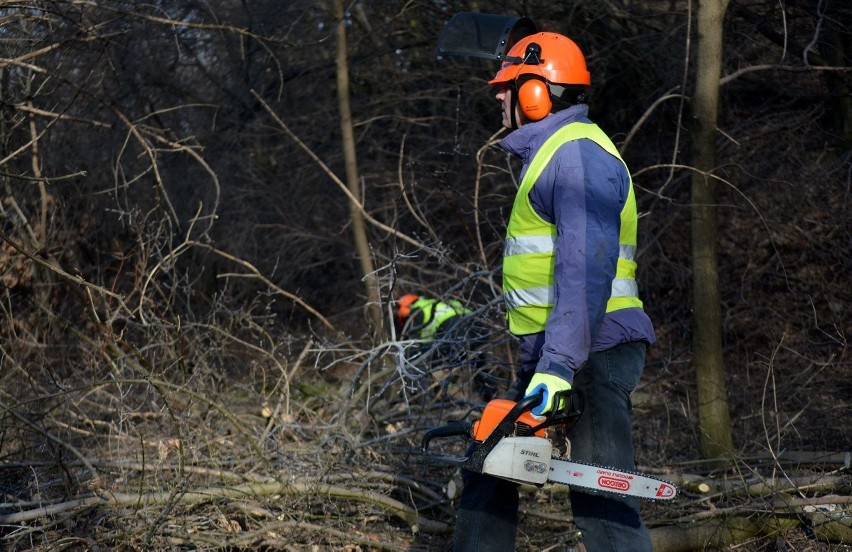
[[436, 313]]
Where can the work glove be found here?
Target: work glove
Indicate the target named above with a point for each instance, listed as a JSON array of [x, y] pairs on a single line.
[[549, 385]]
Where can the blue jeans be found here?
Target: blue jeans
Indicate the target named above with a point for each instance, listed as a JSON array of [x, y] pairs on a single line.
[[487, 516]]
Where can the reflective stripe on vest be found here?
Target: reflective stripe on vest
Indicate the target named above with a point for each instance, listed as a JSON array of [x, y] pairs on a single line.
[[436, 313], [529, 249]]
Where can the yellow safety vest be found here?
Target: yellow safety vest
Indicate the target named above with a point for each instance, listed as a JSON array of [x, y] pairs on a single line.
[[529, 251], [436, 313]]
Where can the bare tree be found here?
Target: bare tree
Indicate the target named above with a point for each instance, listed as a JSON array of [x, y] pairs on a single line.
[[714, 419], [359, 229]]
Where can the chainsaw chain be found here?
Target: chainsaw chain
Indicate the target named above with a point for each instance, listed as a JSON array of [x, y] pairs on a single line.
[[601, 466]]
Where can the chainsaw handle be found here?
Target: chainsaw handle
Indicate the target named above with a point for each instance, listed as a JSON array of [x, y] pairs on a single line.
[[505, 427], [567, 414], [479, 451], [452, 429]]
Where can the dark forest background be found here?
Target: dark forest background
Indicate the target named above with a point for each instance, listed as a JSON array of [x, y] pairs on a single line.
[[187, 356]]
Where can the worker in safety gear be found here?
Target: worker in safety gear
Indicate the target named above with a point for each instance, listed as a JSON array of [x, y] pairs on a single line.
[[571, 295], [447, 331], [425, 317]]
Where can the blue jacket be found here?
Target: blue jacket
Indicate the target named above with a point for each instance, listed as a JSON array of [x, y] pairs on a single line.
[[579, 191]]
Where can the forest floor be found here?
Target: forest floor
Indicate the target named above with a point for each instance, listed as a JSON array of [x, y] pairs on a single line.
[[227, 463]]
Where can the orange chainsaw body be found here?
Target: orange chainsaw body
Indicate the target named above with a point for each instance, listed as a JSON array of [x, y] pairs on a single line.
[[494, 413]]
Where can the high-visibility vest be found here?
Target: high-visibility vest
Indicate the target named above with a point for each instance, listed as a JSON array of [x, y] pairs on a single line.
[[529, 251], [436, 313]]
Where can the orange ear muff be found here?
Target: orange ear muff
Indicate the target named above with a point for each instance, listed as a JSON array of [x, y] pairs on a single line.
[[534, 99]]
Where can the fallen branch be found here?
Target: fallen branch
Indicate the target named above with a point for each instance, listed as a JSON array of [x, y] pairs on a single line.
[[716, 533], [277, 534], [758, 486], [53, 509], [197, 496], [829, 519]]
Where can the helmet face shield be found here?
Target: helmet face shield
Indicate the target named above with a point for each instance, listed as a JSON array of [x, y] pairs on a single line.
[[536, 67], [483, 35]]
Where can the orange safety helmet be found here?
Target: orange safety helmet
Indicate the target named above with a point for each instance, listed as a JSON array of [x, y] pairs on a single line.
[[535, 63], [403, 309]]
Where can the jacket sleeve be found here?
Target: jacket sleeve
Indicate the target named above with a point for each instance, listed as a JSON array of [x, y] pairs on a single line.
[[580, 192]]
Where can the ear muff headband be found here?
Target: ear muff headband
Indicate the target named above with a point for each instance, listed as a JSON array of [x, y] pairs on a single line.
[[534, 99]]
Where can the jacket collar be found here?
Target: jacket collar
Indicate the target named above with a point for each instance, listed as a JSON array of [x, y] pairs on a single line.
[[527, 139]]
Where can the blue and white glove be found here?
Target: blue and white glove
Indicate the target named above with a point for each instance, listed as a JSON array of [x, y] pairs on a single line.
[[548, 384]]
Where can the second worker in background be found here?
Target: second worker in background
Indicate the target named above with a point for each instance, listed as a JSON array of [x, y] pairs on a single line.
[[450, 340]]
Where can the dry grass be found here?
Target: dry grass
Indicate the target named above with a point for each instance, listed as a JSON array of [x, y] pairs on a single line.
[[296, 444]]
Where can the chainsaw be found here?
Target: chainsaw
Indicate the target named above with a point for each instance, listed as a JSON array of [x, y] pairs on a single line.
[[511, 443]]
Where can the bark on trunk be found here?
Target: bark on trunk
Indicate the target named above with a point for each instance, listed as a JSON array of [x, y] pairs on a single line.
[[359, 229], [714, 420]]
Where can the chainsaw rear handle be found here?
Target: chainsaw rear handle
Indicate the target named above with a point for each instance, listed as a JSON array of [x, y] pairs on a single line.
[[566, 414]]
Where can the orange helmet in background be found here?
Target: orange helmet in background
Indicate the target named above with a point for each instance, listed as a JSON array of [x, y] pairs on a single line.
[[536, 63], [403, 308]]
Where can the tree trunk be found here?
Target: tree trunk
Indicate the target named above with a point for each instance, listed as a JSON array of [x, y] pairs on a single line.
[[714, 420], [359, 230], [837, 47]]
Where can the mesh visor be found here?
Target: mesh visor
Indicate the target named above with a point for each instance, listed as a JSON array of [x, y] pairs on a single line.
[[483, 35]]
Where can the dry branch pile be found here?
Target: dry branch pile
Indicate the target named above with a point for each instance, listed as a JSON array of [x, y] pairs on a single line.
[[247, 456]]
